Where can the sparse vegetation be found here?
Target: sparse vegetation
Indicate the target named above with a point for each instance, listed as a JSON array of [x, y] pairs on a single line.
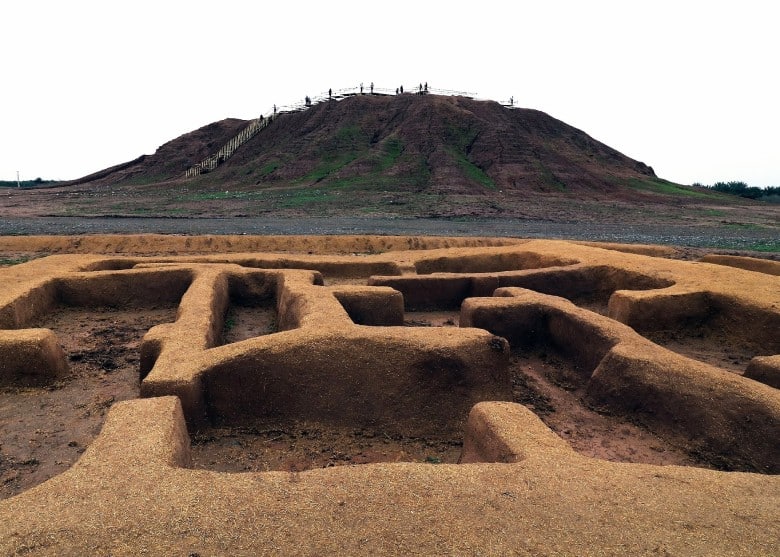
[[549, 177], [759, 246], [144, 180], [304, 197], [741, 189], [38, 182], [393, 148], [765, 246], [664, 187], [213, 195], [8, 261], [329, 165], [472, 171]]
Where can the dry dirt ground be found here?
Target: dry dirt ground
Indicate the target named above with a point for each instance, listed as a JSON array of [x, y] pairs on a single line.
[[47, 429]]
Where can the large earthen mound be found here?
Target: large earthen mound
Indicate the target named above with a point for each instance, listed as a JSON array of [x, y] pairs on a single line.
[[432, 143]]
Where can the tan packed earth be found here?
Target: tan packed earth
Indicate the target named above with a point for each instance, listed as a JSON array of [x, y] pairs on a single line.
[[248, 395]]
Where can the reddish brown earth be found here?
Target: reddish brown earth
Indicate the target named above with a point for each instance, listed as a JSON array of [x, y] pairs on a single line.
[[443, 143]]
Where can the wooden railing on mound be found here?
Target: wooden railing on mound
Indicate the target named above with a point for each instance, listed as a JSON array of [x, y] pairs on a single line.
[[212, 161], [255, 126]]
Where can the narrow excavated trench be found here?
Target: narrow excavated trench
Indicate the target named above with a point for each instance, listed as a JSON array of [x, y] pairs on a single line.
[[550, 385], [299, 446], [709, 345], [243, 321], [432, 318]]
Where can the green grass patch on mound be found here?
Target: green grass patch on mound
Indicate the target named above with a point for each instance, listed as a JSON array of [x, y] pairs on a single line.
[[268, 168], [348, 137], [471, 170], [460, 135], [306, 197], [422, 174], [145, 180], [549, 177], [664, 187], [328, 166], [392, 149], [475, 173], [348, 144]]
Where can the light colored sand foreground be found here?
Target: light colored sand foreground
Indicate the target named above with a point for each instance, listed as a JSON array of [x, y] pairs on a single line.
[[341, 357]]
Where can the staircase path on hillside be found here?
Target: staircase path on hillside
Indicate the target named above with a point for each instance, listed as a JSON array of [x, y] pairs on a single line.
[[258, 124]]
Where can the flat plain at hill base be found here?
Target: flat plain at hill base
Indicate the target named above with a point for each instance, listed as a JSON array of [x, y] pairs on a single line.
[[761, 240], [690, 218]]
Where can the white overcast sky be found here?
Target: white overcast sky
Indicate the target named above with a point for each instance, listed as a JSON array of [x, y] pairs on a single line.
[[690, 88]]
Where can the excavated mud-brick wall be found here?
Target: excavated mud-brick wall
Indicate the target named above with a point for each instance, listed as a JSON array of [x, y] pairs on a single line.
[[340, 355]]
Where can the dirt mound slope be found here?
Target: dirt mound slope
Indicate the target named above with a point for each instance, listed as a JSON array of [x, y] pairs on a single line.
[[438, 143], [170, 160], [428, 398], [405, 155], [432, 142]]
